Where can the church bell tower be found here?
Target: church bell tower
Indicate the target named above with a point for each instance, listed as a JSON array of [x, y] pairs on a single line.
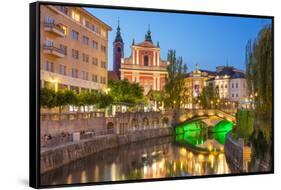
[[118, 51]]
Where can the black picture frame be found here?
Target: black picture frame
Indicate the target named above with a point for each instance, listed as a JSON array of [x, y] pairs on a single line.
[[34, 92]]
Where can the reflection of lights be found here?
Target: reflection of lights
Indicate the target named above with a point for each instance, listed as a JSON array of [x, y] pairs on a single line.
[[69, 179], [183, 151], [200, 158], [145, 170], [174, 166], [55, 82], [211, 159], [190, 155], [221, 156], [84, 177], [181, 165], [113, 171], [97, 176]]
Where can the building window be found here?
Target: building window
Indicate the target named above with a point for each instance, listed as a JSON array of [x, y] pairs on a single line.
[[145, 60], [103, 33], [86, 23], [225, 86], [237, 95], [119, 49], [49, 66], [49, 20], [103, 64], [85, 58], [75, 16], [74, 73], [75, 54], [85, 40], [85, 75], [95, 44], [49, 43], [232, 95], [103, 48], [63, 49], [221, 86], [94, 61], [232, 85], [74, 35], [63, 9], [244, 85], [102, 80], [236, 85], [95, 78], [62, 70], [64, 28], [95, 28]]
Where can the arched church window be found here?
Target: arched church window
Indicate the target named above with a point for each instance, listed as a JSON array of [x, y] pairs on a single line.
[[119, 49], [145, 60]]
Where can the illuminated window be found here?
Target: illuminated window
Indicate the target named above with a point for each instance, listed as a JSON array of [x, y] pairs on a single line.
[[103, 33], [64, 28], [75, 16]]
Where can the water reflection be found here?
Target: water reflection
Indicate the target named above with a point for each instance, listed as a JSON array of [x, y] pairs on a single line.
[[156, 158]]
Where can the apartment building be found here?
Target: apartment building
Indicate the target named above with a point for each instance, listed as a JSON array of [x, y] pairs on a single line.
[[73, 51]]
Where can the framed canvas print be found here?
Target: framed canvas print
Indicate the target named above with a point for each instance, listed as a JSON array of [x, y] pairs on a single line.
[[121, 94]]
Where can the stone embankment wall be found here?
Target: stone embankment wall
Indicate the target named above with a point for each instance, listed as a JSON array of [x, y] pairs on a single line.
[[56, 157], [237, 154]]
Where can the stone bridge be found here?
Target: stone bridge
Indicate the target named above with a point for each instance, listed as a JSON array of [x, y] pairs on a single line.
[[187, 114], [133, 121]]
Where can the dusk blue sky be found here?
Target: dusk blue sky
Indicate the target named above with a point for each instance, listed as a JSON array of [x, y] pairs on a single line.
[[208, 40]]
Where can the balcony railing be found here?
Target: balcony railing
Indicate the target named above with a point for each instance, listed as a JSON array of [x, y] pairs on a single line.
[[142, 67], [55, 51], [54, 28]]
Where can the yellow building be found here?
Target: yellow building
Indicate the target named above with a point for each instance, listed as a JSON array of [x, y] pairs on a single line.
[[73, 51], [194, 83]]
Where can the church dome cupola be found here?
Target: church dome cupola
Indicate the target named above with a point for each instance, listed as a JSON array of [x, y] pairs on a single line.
[[148, 35]]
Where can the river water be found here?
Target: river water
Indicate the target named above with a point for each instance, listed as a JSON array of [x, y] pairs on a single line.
[[172, 156]]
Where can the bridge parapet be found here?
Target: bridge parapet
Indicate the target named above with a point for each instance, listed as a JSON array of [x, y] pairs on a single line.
[[191, 113]]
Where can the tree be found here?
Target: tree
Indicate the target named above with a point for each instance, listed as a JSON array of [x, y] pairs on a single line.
[[47, 98], [124, 92], [259, 76], [104, 100], [156, 96], [86, 99], [207, 97], [175, 85]]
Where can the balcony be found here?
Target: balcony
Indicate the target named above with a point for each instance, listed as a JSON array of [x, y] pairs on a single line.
[[54, 28], [52, 50], [142, 67]]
